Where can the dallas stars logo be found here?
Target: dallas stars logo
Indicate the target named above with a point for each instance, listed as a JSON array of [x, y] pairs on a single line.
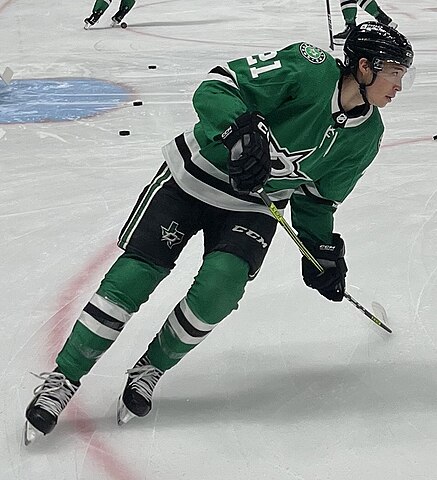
[[311, 53], [171, 235], [286, 164]]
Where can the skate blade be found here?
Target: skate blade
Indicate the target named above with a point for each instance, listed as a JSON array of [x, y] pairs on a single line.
[[30, 434], [123, 413]]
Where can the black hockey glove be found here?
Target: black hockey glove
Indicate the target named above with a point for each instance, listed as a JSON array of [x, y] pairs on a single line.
[[332, 282], [248, 142]]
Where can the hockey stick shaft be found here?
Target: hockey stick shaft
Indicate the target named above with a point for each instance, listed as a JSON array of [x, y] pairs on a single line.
[[305, 252], [328, 15]]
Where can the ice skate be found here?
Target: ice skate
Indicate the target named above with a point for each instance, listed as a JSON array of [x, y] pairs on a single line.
[[92, 19], [136, 399], [386, 20], [50, 398], [118, 17], [340, 37]]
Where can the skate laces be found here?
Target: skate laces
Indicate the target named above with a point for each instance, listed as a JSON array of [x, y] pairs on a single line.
[[143, 378], [54, 393]]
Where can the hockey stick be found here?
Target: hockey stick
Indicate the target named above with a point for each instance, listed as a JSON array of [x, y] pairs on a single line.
[[328, 15], [277, 214]]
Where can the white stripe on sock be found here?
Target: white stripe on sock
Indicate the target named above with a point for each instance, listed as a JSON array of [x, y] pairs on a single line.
[[192, 319], [96, 327], [183, 336], [110, 308]]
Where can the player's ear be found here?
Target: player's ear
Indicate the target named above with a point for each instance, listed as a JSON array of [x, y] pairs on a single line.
[[364, 67]]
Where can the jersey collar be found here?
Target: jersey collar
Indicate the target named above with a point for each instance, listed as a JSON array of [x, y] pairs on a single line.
[[354, 117]]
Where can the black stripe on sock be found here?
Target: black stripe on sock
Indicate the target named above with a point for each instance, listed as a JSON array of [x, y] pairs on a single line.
[[103, 317], [186, 325]]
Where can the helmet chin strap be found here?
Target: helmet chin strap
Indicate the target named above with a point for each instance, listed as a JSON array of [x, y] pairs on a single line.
[[362, 86]]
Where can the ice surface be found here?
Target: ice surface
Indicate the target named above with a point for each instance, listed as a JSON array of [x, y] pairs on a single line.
[[290, 386]]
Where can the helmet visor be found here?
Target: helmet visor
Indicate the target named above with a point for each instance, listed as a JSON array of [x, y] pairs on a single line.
[[397, 74]]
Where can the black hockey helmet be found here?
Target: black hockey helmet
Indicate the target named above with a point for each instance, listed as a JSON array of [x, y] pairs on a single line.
[[377, 43]]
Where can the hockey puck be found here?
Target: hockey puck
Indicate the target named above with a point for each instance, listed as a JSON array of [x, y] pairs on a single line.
[[123, 25], [124, 133], [151, 67], [434, 137], [137, 103]]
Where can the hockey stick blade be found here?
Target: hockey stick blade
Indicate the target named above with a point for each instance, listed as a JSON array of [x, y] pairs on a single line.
[[368, 314], [380, 311], [281, 220]]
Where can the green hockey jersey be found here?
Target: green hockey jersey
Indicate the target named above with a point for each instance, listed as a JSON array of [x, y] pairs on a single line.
[[318, 151]]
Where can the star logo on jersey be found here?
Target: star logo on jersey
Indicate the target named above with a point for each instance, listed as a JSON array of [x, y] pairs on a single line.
[[311, 53], [171, 235], [286, 164]]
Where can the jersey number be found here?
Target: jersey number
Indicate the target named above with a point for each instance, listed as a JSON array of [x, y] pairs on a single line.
[[256, 71]]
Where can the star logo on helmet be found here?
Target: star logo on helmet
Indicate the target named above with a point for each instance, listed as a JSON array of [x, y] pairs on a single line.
[[311, 53]]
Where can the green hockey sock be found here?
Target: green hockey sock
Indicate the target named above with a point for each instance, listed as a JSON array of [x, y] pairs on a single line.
[[101, 5], [127, 4], [124, 289], [215, 293], [349, 14], [370, 7]]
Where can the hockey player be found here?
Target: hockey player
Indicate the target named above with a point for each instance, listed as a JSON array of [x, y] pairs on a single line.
[[349, 11], [100, 7], [295, 121]]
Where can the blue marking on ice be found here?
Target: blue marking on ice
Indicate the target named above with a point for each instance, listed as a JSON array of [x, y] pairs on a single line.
[[58, 99]]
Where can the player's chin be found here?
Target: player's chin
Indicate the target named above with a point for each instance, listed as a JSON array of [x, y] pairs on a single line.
[[383, 101]]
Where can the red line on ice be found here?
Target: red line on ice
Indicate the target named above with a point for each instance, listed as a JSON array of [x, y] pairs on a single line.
[[407, 141], [2, 7], [58, 327]]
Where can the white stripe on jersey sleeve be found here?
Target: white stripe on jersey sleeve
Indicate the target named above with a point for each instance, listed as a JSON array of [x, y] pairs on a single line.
[[232, 82]]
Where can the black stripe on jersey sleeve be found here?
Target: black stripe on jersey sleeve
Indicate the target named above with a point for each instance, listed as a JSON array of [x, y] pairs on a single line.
[[221, 71], [186, 325], [103, 317], [317, 199], [204, 177]]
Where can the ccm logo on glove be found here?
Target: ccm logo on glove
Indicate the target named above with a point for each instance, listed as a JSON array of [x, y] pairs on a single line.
[[248, 143], [331, 283]]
